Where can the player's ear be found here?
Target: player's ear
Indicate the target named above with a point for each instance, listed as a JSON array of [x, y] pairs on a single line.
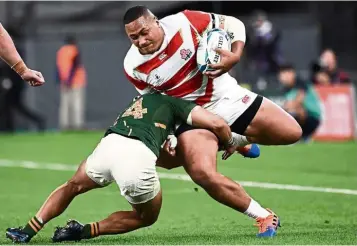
[[156, 20]]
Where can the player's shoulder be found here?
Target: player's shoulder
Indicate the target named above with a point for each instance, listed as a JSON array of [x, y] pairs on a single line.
[[157, 96], [153, 96], [199, 19], [195, 13], [171, 18]]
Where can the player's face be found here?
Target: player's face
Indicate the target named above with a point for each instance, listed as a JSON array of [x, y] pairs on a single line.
[[146, 34]]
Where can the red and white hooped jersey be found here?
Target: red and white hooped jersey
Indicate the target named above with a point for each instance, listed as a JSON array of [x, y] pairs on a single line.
[[172, 70]]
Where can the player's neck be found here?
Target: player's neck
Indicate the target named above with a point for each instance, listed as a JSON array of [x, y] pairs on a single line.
[[162, 38]]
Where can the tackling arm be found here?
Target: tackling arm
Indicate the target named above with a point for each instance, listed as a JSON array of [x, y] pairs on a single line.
[[199, 117], [9, 53]]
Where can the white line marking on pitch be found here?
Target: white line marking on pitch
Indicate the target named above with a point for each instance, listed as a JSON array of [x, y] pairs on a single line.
[[184, 177]]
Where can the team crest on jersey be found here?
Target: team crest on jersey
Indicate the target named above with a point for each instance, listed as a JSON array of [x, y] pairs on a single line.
[[185, 54], [246, 99]]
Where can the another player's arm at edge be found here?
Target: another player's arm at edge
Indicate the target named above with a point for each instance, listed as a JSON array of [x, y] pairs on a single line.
[[9, 54], [200, 117]]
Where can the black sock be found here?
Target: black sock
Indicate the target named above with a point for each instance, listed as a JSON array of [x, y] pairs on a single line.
[[90, 230], [33, 227]]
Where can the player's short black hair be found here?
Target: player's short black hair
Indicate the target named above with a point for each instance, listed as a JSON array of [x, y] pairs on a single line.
[[135, 13], [286, 67]]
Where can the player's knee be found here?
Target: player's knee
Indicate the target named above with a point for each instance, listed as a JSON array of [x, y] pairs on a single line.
[[76, 187], [288, 132], [149, 219], [293, 133], [296, 133], [204, 177]]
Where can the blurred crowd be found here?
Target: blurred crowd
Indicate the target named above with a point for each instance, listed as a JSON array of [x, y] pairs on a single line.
[[265, 57], [263, 54]]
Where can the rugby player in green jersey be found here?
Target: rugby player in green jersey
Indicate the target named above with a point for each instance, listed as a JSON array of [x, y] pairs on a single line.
[[126, 154]]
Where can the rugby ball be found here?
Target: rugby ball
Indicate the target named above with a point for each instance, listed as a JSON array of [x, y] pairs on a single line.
[[215, 38]]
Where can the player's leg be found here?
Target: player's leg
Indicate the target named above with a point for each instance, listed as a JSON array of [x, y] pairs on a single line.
[[308, 122], [199, 148], [271, 125], [91, 174], [256, 117], [138, 182], [55, 204], [120, 222], [142, 215]]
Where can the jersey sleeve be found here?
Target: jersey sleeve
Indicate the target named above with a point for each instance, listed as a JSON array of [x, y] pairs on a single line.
[[181, 108]]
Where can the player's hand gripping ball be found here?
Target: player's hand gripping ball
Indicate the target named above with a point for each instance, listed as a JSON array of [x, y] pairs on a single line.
[[206, 54]]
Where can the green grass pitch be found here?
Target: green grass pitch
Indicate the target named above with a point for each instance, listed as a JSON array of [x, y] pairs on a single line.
[[189, 215]]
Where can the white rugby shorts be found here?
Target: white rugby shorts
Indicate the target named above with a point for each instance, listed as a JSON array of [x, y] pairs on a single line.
[[230, 100], [128, 162]]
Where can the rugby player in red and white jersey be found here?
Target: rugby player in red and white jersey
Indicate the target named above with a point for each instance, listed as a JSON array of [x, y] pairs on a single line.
[[162, 58]]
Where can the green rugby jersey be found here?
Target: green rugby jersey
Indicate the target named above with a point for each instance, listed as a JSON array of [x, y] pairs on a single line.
[[151, 118]]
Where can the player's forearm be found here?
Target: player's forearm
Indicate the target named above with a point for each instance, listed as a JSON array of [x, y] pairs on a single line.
[[237, 49], [9, 53], [222, 131], [202, 118]]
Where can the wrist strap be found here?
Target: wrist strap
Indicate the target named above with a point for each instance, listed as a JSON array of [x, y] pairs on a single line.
[[19, 67], [231, 141]]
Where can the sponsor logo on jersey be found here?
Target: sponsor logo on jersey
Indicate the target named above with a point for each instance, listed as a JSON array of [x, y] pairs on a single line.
[[162, 56], [185, 54], [231, 35]]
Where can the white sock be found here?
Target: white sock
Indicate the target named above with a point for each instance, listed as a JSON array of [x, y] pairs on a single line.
[[255, 210], [242, 140]]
